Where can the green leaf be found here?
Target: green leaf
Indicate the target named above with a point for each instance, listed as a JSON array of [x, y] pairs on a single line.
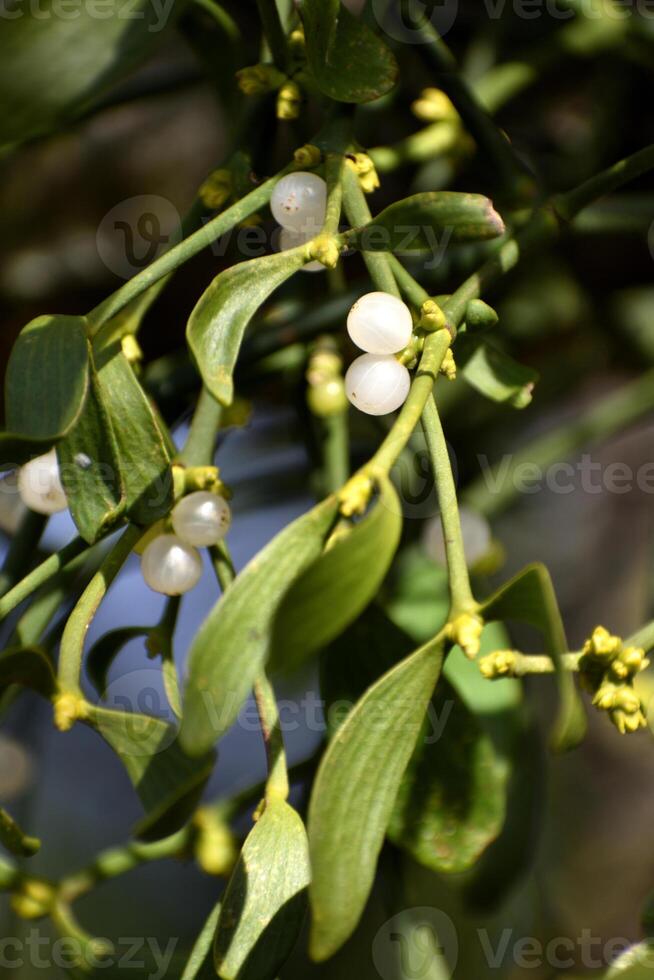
[[199, 966], [168, 782], [636, 963], [495, 374], [265, 902], [30, 667], [347, 60], [339, 585], [14, 839], [530, 598], [217, 324], [452, 801], [142, 446], [428, 222], [103, 653], [355, 791], [233, 643], [45, 387], [418, 597], [90, 469], [54, 67]]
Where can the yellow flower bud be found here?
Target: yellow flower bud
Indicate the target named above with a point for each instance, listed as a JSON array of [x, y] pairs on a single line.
[[259, 79], [466, 632], [289, 101], [448, 367], [34, 900], [502, 663], [131, 349], [215, 845], [307, 156], [433, 106], [68, 708], [602, 644], [363, 166], [431, 316], [355, 495], [325, 249]]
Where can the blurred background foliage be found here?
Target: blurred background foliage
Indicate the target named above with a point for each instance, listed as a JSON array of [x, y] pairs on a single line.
[[91, 120]]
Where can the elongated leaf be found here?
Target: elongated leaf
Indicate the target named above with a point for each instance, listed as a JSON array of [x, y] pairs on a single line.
[[45, 387], [636, 963], [90, 469], [200, 965], [54, 66], [347, 60], [234, 641], [452, 801], [339, 585], [428, 222], [355, 791], [15, 839], [265, 903], [530, 598], [168, 782], [142, 446], [495, 374], [217, 324]]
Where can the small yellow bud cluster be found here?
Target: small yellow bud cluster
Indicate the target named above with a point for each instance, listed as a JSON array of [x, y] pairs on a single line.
[[297, 43], [190, 479], [432, 317], [325, 249], [466, 632], [365, 170], [34, 900], [433, 106], [355, 495], [326, 392], [131, 349], [217, 189], [501, 663], [259, 79], [607, 669], [448, 366], [216, 850], [307, 156], [68, 708], [289, 100]]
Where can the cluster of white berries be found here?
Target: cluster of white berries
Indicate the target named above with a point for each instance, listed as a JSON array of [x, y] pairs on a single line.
[[380, 324], [299, 205], [40, 486], [171, 563]]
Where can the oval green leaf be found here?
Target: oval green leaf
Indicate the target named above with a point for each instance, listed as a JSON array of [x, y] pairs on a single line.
[[217, 324], [265, 902], [347, 60], [429, 222], [168, 782], [45, 387], [355, 791], [495, 374], [234, 641], [332, 592]]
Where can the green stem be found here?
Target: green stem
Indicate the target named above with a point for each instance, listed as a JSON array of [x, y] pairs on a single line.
[[200, 446], [336, 450], [358, 214], [277, 786], [570, 204], [184, 251], [644, 637], [497, 489], [40, 575], [222, 19], [274, 32], [530, 664], [461, 597], [412, 290], [21, 549], [72, 641]]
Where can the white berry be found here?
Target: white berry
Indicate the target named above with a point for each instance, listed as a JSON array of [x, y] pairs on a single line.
[[201, 519], [170, 566], [40, 487], [291, 239], [377, 384], [299, 202], [475, 531], [380, 324]]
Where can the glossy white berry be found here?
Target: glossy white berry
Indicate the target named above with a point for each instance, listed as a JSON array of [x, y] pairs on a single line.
[[380, 324], [475, 531], [291, 239], [201, 519], [39, 484], [170, 566], [377, 384], [299, 202]]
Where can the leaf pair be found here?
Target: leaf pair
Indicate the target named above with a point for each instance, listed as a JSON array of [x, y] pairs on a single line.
[[293, 598]]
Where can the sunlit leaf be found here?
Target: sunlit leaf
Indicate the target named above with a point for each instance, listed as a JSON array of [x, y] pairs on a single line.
[[217, 324], [234, 641], [265, 903], [495, 374], [199, 965]]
